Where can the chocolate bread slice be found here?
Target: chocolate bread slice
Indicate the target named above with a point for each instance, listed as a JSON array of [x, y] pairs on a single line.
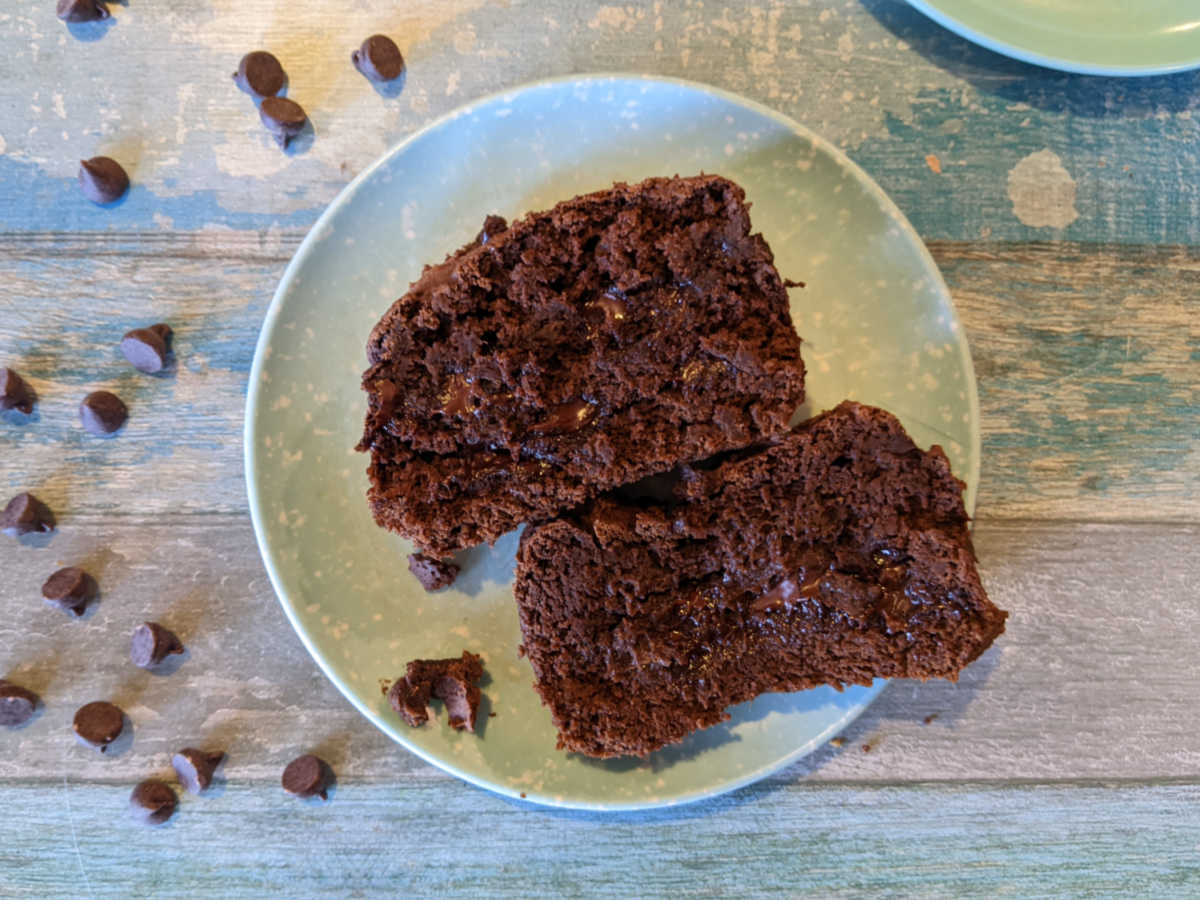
[[836, 556], [616, 335]]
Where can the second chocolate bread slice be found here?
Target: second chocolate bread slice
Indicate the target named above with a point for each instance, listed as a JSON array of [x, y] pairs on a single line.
[[618, 334], [837, 556]]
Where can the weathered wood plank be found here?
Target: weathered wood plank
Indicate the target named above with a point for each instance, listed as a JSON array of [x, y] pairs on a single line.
[[1086, 359], [1107, 160], [1093, 679], [427, 839]]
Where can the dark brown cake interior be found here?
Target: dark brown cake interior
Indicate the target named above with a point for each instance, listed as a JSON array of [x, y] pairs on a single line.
[[838, 555], [579, 349]]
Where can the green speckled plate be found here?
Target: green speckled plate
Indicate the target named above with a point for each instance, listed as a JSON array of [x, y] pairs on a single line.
[[878, 327], [1094, 37]]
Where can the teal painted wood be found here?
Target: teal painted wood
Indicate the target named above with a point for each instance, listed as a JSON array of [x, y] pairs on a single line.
[[439, 840], [1086, 359], [1115, 159]]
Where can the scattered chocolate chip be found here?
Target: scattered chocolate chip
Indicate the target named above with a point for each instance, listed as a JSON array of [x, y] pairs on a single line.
[[26, 514], [432, 573], [195, 768], [284, 119], [102, 179], [378, 58], [98, 724], [70, 589], [453, 681], [307, 776], [152, 802], [82, 10], [152, 644], [146, 348], [15, 393], [17, 705], [102, 412], [259, 74]]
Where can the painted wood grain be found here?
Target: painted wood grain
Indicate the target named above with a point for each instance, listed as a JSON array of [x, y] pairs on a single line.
[[1024, 153], [1086, 356], [439, 840], [1094, 677]]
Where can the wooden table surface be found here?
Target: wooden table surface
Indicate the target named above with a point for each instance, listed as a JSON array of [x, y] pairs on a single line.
[[1064, 212]]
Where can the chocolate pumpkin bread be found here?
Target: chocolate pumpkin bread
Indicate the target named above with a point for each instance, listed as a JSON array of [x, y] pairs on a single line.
[[582, 348], [837, 555]]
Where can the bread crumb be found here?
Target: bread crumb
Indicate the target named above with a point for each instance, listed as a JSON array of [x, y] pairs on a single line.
[[935, 164], [838, 742], [929, 718]]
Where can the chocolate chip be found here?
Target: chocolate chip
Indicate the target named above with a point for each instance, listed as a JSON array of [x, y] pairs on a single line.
[[152, 644], [378, 58], [17, 705], [15, 393], [70, 589], [26, 514], [152, 802], [307, 776], [98, 724], [434, 574], [259, 74], [102, 412], [102, 179], [284, 119], [82, 10], [146, 348], [195, 768]]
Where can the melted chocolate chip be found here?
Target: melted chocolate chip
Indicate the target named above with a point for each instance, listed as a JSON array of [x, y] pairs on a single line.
[[70, 589], [456, 399], [82, 10], [151, 644], [98, 724], [284, 119], [102, 179], [17, 705], [379, 59], [195, 768], [566, 417], [15, 393], [146, 348], [614, 308], [26, 514], [102, 412], [434, 574], [307, 776], [152, 802], [260, 74]]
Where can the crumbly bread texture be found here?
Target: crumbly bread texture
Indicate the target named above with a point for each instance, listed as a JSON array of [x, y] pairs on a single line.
[[616, 335], [837, 555]]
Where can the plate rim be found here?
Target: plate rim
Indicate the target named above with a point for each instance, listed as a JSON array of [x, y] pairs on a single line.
[[252, 405], [1014, 51]]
